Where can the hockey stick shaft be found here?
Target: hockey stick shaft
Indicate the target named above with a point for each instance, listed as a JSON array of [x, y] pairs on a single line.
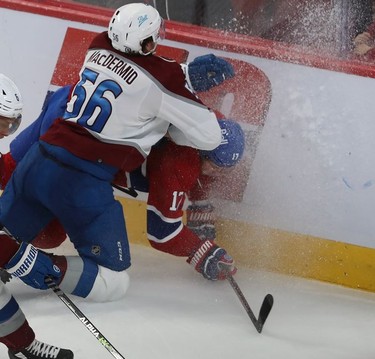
[[243, 300], [264, 310], [75, 310], [129, 191], [84, 320]]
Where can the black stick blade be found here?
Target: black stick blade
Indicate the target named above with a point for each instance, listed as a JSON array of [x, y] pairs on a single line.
[[265, 310]]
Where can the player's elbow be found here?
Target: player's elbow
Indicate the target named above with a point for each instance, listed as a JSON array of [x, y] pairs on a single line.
[[213, 141], [212, 138]]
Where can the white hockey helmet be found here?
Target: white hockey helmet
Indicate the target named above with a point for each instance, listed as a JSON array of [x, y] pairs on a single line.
[[131, 24], [10, 106], [10, 98]]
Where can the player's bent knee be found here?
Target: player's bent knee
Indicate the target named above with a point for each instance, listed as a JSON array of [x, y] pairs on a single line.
[[85, 278], [109, 285]]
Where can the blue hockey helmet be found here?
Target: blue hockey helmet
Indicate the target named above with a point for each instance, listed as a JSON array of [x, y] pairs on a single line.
[[232, 145]]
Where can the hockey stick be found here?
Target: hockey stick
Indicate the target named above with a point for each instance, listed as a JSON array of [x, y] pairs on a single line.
[[85, 321], [73, 308], [129, 191], [265, 309]]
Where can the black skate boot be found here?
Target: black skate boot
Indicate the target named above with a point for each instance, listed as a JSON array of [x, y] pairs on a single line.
[[39, 350]]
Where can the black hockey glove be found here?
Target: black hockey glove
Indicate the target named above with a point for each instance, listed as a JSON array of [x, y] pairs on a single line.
[[5, 276]]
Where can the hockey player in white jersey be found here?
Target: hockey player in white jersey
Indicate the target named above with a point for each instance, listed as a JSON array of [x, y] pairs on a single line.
[[126, 100]]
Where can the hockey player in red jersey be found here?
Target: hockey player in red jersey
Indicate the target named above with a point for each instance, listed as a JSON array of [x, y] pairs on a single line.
[[170, 174], [15, 331]]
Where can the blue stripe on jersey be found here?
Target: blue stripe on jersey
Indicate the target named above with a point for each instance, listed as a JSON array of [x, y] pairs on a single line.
[[87, 279], [8, 310], [162, 229]]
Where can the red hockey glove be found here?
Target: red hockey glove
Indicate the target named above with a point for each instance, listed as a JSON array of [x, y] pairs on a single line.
[[212, 261], [201, 220]]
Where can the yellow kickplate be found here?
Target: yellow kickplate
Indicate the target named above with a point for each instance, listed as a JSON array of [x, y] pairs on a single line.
[[279, 251]]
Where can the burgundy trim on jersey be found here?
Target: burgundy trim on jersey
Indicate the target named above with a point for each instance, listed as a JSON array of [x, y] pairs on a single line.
[[8, 248], [167, 72], [7, 167], [19, 339], [51, 236], [78, 141]]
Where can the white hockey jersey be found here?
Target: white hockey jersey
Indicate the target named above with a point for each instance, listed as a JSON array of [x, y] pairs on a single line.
[[124, 104]]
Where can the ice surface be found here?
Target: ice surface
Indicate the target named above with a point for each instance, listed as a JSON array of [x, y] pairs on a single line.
[[171, 312]]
